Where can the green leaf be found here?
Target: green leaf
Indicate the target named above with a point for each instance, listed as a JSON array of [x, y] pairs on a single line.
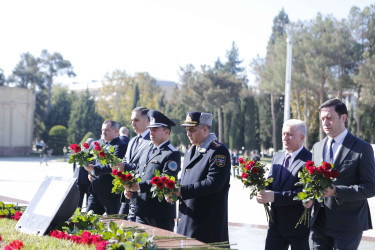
[[301, 195]]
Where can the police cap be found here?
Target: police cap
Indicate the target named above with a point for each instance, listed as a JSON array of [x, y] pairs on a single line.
[[158, 119]]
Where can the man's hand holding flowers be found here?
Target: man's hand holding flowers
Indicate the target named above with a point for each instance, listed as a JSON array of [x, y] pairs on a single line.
[[265, 196]]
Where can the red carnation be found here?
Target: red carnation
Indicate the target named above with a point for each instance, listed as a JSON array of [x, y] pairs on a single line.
[[101, 154], [163, 179], [98, 148], [16, 244], [255, 170], [312, 170], [114, 171], [71, 146], [129, 177], [170, 184], [309, 164], [326, 166], [244, 175], [155, 180], [320, 170], [123, 177], [86, 145], [76, 239], [96, 143], [17, 215], [241, 160], [160, 185], [334, 173], [247, 167], [101, 245], [1, 238], [252, 163], [327, 174]]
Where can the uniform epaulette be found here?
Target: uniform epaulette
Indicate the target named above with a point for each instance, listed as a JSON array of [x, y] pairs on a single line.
[[171, 147], [216, 143]]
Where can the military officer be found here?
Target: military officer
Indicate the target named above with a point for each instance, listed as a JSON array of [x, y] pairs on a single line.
[[160, 155], [203, 206]]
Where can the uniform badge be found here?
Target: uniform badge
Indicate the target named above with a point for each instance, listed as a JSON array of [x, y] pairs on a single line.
[[220, 160], [172, 165], [188, 118]]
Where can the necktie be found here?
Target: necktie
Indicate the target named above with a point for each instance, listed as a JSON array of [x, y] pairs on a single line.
[[135, 144], [151, 152], [285, 170], [331, 151]]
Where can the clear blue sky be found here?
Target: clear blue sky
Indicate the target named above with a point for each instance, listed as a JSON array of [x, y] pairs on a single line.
[[156, 36]]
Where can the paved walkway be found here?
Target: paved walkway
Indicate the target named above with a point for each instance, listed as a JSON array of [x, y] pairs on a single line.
[[20, 179]]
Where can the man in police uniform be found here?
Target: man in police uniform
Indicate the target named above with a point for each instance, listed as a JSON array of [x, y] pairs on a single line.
[[160, 155], [203, 206]]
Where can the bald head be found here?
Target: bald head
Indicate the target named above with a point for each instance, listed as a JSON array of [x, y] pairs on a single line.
[[123, 131]]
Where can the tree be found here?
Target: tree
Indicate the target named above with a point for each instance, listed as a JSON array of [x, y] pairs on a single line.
[[84, 118], [57, 139], [53, 65], [61, 103], [136, 96], [2, 78]]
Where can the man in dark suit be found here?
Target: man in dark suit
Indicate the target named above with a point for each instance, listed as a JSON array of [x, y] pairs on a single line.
[[338, 222], [140, 121], [124, 136], [160, 155], [203, 206], [286, 212], [101, 198]]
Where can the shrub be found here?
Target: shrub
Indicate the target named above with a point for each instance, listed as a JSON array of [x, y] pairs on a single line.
[[58, 139], [87, 136]]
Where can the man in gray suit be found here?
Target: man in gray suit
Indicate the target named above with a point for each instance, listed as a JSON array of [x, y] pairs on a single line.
[[338, 222], [140, 121]]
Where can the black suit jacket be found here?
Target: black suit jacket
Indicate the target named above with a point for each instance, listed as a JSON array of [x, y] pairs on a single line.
[[102, 181], [285, 211], [349, 211], [167, 160], [125, 140], [203, 209]]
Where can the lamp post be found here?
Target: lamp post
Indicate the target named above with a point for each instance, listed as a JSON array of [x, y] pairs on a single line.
[[289, 28]]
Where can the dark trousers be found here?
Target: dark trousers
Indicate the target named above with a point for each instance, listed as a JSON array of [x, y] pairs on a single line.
[[167, 224], [278, 241], [83, 189], [101, 204], [322, 238]]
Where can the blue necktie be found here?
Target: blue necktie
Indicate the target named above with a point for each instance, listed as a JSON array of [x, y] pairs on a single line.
[[331, 151]]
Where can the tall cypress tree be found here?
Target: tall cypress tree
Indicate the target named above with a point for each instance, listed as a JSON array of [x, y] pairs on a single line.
[[84, 118]]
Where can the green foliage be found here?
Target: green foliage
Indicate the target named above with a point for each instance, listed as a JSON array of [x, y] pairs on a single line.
[[87, 136], [61, 102], [83, 118], [57, 139]]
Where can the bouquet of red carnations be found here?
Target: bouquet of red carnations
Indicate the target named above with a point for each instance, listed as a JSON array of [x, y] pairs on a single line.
[[163, 186], [253, 177], [80, 154], [314, 180], [104, 154], [121, 179]]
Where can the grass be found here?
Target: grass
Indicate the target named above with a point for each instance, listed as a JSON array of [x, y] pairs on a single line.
[[9, 233]]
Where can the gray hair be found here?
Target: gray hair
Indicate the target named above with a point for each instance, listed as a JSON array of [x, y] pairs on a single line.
[[114, 125], [297, 124]]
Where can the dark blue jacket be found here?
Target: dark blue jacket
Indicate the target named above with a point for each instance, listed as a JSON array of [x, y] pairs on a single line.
[[203, 208], [167, 160], [101, 183], [286, 211]]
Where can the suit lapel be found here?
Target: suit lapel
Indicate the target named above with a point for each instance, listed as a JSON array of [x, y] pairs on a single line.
[[277, 167], [188, 163], [319, 152], [346, 146]]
